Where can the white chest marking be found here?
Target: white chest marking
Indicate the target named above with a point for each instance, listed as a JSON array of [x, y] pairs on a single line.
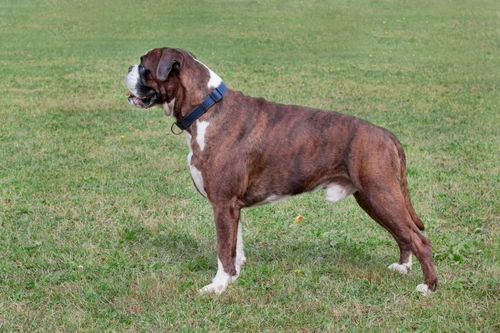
[[201, 129], [214, 80], [195, 173]]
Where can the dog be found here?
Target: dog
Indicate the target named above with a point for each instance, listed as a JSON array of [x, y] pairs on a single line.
[[247, 151]]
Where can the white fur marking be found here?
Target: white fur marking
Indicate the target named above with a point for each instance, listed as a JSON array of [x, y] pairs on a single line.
[[131, 80], [339, 191], [201, 129], [424, 289], [272, 199], [168, 108], [197, 179], [401, 268], [240, 253], [214, 80], [195, 173], [220, 281]]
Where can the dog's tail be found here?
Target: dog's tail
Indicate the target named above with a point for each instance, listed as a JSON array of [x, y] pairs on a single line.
[[404, 185]]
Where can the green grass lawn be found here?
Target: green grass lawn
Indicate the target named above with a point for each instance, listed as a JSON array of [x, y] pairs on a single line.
[[101, 229]]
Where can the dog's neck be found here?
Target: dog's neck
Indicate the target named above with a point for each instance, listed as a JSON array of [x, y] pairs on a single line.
[[214, 97], [214, 79], [216, 88]]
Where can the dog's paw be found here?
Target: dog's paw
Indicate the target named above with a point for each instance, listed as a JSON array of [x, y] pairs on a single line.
[[220, 281], [215, 288], [424, 289], [401, 268]]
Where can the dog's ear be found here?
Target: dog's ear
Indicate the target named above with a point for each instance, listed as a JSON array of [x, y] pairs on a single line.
[[170, 59]]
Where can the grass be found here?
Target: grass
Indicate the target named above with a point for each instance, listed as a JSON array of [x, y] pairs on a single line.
[[102, 231]]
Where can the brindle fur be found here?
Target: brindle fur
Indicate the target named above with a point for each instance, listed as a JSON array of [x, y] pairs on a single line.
[[255, 148]]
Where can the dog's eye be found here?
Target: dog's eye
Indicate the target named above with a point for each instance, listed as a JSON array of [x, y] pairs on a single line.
[[142, 70]]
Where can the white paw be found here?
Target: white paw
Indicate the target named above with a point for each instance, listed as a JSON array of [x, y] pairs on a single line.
[[220, 281], [215, 288], [403, 269], [424, 289]]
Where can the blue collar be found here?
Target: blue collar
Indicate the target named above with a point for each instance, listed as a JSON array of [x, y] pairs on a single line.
[[212, 98]]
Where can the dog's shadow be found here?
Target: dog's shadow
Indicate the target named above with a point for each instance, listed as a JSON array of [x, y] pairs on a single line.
[[317, 254], [198, 255], [182, 248]]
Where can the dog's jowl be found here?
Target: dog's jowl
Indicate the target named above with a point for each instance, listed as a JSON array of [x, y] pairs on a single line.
[[247, 151]]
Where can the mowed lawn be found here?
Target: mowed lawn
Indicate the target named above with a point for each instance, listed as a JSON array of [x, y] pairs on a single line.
[[101, 229]]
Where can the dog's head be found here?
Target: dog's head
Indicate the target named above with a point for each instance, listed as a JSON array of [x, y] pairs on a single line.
[[169, 77]]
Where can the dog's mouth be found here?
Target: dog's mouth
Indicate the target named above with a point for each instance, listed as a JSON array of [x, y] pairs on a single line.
[[140, 95], [142, 102]]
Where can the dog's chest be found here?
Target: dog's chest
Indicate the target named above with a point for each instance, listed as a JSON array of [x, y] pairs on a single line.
[[197, 145]]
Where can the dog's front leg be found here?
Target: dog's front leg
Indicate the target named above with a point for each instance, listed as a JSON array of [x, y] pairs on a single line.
[[229, 247]]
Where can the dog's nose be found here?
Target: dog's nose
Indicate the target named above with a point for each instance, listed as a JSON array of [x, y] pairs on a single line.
[[130, 68]]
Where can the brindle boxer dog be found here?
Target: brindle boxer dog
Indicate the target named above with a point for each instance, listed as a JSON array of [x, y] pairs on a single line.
[[247, 151]]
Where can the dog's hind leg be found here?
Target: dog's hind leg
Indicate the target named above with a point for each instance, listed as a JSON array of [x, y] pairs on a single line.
[[230, 254], [387, 207], [404, 263]]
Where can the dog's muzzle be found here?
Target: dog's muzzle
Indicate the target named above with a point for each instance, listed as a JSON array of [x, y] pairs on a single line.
[[137, 97]]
